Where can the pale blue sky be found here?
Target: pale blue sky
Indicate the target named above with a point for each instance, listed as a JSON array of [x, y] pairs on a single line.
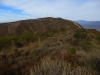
[[13, 10]]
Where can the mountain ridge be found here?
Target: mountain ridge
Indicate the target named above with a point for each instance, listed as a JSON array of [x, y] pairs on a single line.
[[36, 25]]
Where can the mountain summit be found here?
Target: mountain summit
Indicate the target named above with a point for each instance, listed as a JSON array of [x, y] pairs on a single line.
[[36, 25]]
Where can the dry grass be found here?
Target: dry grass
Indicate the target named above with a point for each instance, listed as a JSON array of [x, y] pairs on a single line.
[[81, 53], [58, 67], [91, 59]]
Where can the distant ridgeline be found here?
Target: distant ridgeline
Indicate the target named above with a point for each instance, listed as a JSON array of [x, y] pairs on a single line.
[[90, 24]]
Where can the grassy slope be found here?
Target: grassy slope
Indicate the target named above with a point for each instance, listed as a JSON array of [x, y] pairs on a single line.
[[75, 48]]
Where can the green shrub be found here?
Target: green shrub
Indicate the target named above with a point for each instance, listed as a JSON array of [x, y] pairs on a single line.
[[98, 38], [73, 50], [62, 29]]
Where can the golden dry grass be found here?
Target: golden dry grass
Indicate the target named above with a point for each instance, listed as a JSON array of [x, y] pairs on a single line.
[[58, 67]]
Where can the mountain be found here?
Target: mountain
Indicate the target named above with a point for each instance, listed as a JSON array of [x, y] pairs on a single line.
[[68, 50], [89, 24], [36, 25]]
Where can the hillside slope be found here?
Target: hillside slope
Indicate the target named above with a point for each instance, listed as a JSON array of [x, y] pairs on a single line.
[[65, 52], [36, 25]]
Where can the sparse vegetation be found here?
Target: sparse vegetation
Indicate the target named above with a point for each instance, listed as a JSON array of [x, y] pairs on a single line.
[[55, 56], [7, 41]]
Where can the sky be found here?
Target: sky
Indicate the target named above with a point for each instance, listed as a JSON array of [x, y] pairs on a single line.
[[14, 10]]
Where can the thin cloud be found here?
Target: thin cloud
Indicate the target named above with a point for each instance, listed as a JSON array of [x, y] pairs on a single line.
[[68, 9], [8, 16]]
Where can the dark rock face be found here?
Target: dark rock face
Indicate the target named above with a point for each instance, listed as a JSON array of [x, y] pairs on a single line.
[[36, 25]]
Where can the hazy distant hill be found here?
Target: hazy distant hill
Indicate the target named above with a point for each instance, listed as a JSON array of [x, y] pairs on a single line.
[[36, 25], [90, 24]]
